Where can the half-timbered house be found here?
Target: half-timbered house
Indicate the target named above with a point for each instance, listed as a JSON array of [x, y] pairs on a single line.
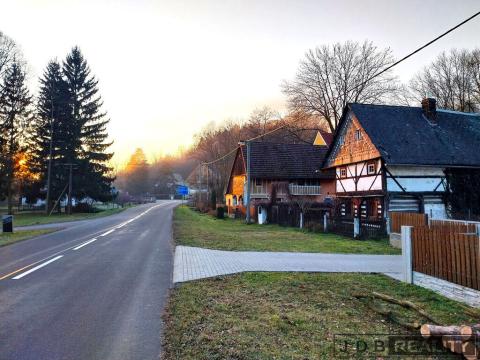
[[394, 158], [285, 171]]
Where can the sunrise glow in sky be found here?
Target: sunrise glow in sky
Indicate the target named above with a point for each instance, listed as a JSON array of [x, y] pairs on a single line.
[[167, 68]]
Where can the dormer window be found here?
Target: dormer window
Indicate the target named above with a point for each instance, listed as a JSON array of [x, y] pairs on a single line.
[[358, 134]]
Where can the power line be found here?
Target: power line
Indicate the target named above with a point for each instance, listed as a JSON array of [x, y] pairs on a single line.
[[418, 50], [361, 84]]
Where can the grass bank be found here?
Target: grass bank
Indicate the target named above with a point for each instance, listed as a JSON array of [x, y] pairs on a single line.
[[10, 238], [38, 218], [192, 228], [287, 315]]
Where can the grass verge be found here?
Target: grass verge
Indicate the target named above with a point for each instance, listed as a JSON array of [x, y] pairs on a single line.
[[19, 235], [36, 218], [286, 315], [192, 228]]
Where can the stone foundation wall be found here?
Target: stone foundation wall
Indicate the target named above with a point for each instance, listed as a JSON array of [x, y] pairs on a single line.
[[448, 289]]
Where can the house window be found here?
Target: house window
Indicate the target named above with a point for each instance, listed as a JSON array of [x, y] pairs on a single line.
[[358, 134], [258, 182], [341, 140], [343, 172], [371, 168]]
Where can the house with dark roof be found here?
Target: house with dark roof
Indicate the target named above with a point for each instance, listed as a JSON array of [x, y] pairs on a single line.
[[394, 158], [283, 171]]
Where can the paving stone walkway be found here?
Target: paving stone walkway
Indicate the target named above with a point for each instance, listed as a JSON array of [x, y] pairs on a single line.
[[192, 263]]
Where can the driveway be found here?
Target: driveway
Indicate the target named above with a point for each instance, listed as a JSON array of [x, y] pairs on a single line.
[[192, 263]]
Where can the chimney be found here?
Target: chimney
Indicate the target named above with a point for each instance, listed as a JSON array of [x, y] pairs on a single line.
[[429, 109]]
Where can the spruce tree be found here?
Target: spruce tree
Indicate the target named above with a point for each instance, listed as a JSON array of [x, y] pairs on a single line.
[[15, 117], [50, 129], [86, 131]]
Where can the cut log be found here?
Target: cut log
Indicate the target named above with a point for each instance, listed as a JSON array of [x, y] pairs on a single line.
[[428, 330], [470, 332]]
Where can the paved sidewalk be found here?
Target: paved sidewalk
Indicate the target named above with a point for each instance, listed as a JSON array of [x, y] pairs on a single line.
[[192, 263]]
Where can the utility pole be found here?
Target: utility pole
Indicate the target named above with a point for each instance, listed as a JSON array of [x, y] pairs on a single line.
[[208, 187], [248, 181], [70, 183], [49, 171]]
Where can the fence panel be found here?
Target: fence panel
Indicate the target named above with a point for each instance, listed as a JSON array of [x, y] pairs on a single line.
[[373, 229], [313, 220], [284, 215], [447, 253], [398, 219], [341, 226]]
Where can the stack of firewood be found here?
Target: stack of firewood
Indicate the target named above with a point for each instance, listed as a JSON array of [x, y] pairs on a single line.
[[458, 339]]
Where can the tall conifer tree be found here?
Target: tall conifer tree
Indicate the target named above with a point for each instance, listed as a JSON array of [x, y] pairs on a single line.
[[15, 117], [50, 129], [86, 130]]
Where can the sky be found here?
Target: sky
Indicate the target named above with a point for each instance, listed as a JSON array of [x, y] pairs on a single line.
[[168, 68]]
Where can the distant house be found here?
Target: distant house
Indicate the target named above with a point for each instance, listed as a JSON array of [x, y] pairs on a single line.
[[283, 171], [394, 158]]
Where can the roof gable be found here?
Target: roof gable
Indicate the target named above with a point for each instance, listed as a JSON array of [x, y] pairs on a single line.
[[352, 144], [322, 138], [404, 136]]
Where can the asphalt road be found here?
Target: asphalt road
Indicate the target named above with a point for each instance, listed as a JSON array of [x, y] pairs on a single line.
[[67, 296]]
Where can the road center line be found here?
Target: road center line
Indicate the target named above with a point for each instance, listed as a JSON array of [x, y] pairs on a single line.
[[3, 277], [108, 232], [37, 267], [85, 243]]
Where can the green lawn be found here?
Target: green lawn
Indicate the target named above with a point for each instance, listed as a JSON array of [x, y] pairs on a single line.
[[10, 238], [289, 315], [36, 218], [195, 229]]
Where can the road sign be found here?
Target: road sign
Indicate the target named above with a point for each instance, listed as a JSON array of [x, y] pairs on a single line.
[[182, 190]]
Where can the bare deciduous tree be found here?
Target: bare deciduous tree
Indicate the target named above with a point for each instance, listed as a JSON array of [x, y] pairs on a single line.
[[331, 76], [8, 53], [451, 80]]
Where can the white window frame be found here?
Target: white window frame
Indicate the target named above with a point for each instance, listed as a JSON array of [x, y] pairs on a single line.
[[370, 172]]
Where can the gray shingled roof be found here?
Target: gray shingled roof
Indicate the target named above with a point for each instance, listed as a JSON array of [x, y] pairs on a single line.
[[287, 161], [404, 136]]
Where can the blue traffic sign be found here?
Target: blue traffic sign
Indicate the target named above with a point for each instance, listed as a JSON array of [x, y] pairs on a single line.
[[182, 190]]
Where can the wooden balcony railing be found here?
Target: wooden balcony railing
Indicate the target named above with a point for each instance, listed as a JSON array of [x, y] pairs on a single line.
[[304, 189]]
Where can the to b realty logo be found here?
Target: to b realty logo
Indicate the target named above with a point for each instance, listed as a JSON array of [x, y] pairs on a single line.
[[367, 346]]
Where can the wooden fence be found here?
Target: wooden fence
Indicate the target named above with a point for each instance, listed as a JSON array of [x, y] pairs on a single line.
[[398, 219], [448, 252]]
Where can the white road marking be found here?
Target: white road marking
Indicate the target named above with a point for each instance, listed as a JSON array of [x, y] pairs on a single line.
[[70, 248], [37, 267], [108, 232], [85, 243]]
